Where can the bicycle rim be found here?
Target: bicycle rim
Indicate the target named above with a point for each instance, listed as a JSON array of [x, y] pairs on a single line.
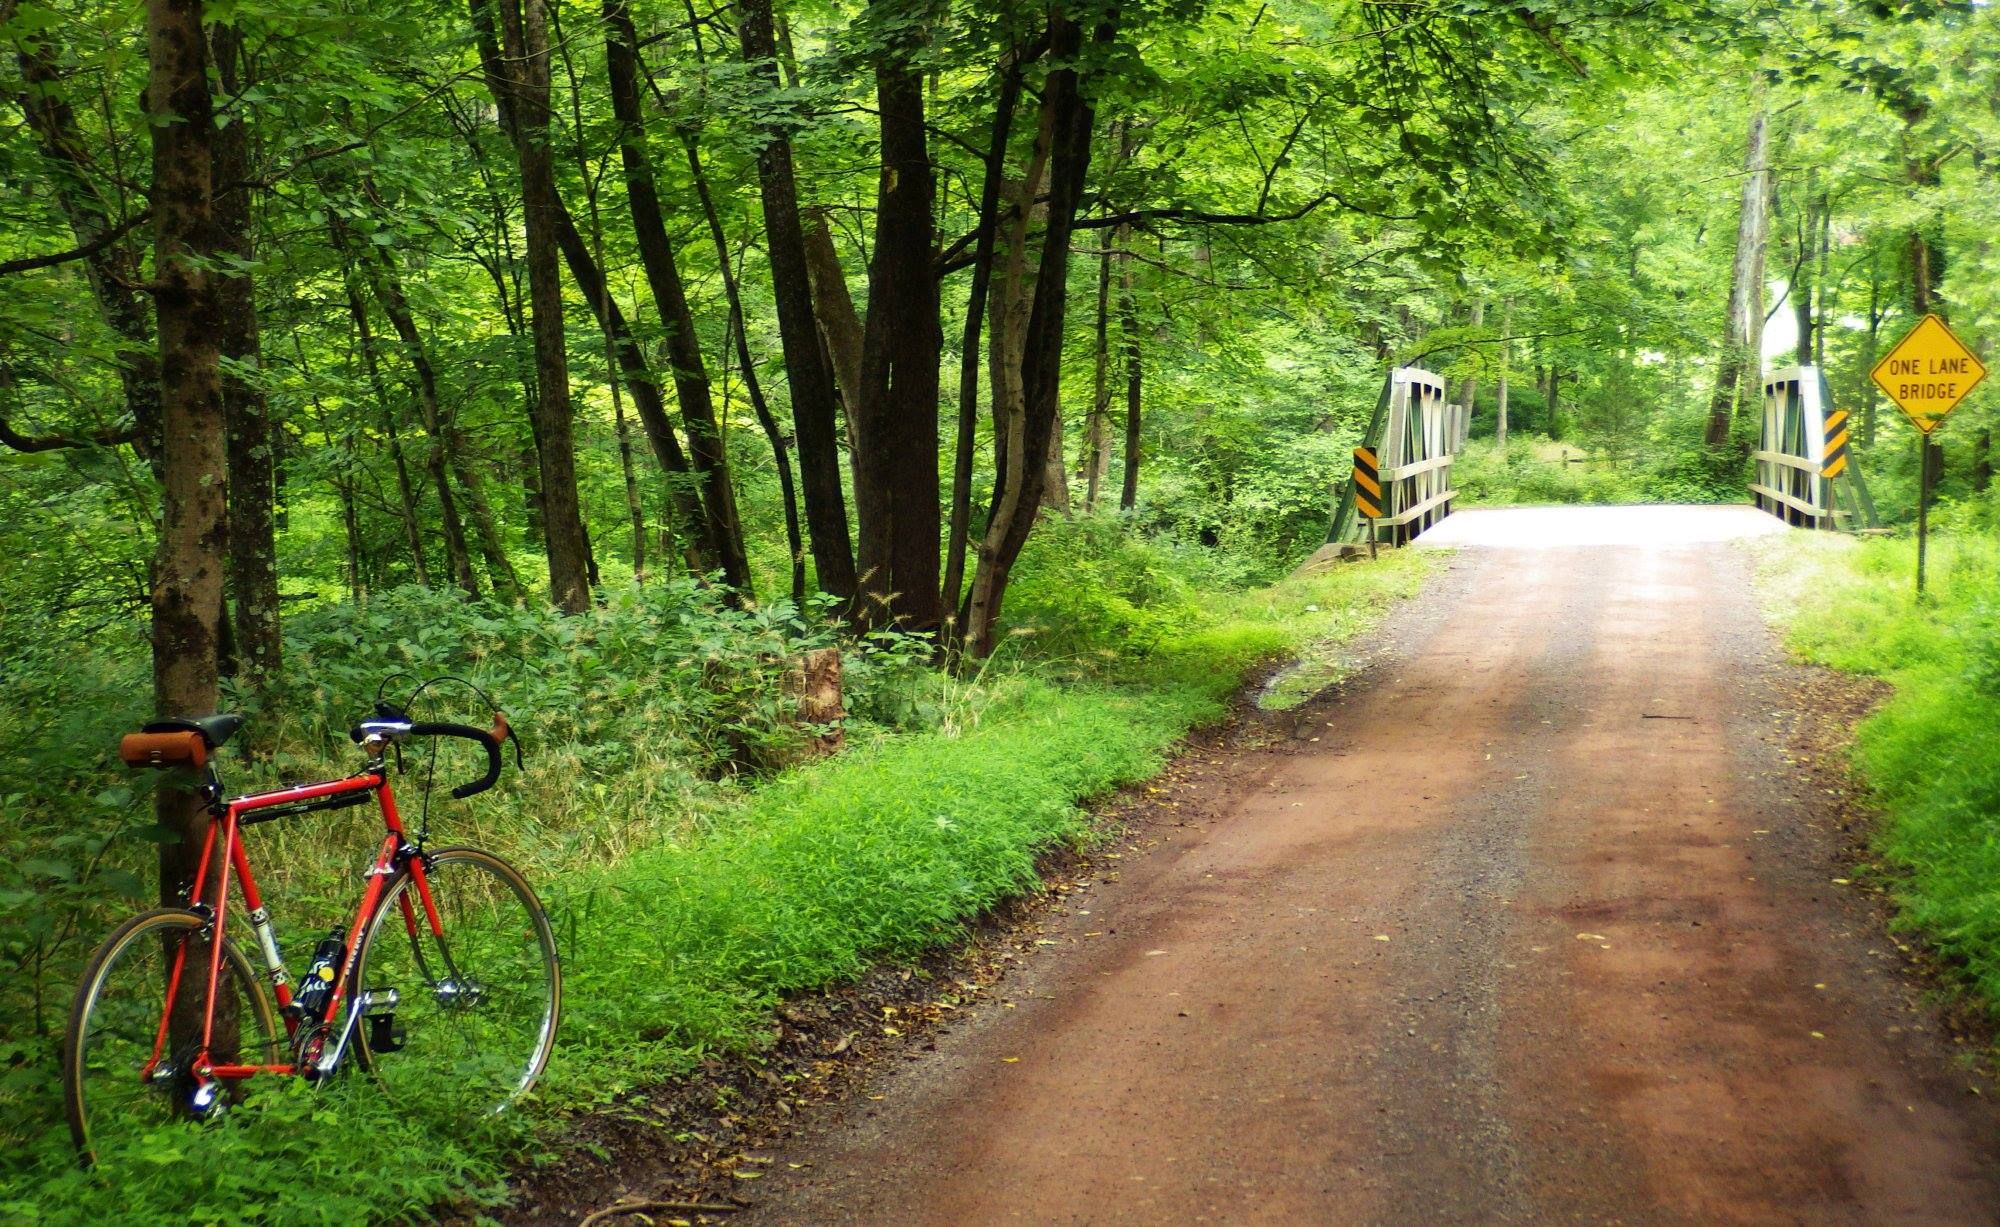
[[114, 1023], [478, 1008]]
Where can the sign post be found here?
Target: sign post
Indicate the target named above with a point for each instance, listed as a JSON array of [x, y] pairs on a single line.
[[1367, 491], [1927, 374]]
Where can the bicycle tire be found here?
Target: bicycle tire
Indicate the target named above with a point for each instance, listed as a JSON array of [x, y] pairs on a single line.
[[477, 956], [86, 1046]]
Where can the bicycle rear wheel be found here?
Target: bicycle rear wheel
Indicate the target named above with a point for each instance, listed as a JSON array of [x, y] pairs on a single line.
[[476, 1007], [114, 1024]]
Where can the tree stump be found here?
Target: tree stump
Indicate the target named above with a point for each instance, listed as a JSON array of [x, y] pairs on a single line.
[[814, 685]]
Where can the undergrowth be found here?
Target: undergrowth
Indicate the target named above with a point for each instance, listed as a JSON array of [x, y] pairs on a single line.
[[691, 882], [1928, 754], [1530, 471]]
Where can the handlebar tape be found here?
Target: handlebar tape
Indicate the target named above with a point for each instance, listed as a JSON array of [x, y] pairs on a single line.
[[488, 738]]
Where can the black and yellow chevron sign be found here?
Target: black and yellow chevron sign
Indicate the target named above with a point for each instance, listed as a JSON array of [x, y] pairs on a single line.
[[1367, 484], [1835, 462]]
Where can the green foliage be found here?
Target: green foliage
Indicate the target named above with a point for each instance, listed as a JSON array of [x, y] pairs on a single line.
[[679, 944], [1928, 754], [1536, 471]]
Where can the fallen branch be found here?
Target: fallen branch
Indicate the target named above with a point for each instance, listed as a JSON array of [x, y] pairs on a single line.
[[642, 1207]]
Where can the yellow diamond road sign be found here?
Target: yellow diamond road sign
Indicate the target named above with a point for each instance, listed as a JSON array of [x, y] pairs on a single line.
[[1928, 373]]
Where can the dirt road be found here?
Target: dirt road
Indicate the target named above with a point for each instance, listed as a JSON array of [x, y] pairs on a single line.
[[1536, 931]]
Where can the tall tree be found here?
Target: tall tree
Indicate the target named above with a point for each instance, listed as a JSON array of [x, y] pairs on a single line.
[[1128, 327], [896, 470], [253, 544], [524, 31], [187, 592], [1736, 373], [1068, 121], [957, 534], [663, 278], [815, 408]]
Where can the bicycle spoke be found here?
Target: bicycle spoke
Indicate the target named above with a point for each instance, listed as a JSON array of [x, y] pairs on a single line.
[[478, 1008]]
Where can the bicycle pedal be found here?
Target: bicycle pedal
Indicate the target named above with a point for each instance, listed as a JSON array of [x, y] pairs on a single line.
[[385, 1034]]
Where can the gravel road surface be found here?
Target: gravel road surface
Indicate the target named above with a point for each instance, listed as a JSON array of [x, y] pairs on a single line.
[[1532, 922]]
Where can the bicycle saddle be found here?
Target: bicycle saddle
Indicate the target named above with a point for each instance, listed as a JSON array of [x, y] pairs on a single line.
[[214, 730]]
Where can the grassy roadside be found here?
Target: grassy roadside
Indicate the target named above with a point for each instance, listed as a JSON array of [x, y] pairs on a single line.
[[680, 946], [1929, 754]]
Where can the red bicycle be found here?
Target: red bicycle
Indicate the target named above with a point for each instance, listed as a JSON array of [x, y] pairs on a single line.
[[450, 963]]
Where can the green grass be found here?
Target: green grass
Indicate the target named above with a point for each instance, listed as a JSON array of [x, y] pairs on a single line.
[[679, 941], [1930, 754]]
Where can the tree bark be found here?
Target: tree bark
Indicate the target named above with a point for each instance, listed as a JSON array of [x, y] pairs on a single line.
[[1128, 325], [958, 532], [525, 38], [1870, 344], [1097, 434], [1741, 357], [896, 462], [253, 542], [814, 409], [840, 328], [1823, 306], [187, 591], [753, 384], [663, 278], [1506, 360], [1070, 121], [1468, 390]]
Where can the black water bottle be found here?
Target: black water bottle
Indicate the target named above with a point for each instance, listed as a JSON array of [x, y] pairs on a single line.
[[325, 967]]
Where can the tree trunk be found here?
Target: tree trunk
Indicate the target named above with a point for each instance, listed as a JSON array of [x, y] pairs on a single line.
[[388, 290], [814, 410], [1870, 344], [958, 533], [1055, 483], [1803, 287], [1506, 359], [341, 475], [1468, 390], [492, 548], [1741, 357], [1069, 123], [1825, 289], [663, 278], [753, 384], [525, 37], [364, 336], [1097, 434], [187, 592], [840, 327], [253, 543], [1128, 325], [896, 461]]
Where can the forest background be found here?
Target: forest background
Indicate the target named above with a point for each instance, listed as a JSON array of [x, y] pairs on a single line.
[[613, 355]]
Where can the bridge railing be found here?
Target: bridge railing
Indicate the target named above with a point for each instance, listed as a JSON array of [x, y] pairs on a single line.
[[1805, 474], [1415, 435]]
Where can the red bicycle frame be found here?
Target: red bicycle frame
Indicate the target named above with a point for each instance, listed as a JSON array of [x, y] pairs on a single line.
[[396, 852]]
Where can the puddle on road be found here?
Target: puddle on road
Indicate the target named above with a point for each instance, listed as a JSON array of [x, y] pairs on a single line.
[[1318, 667]]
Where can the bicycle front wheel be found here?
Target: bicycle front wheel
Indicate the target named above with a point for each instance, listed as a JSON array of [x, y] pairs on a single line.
[[124, 1076], [477, 982]]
